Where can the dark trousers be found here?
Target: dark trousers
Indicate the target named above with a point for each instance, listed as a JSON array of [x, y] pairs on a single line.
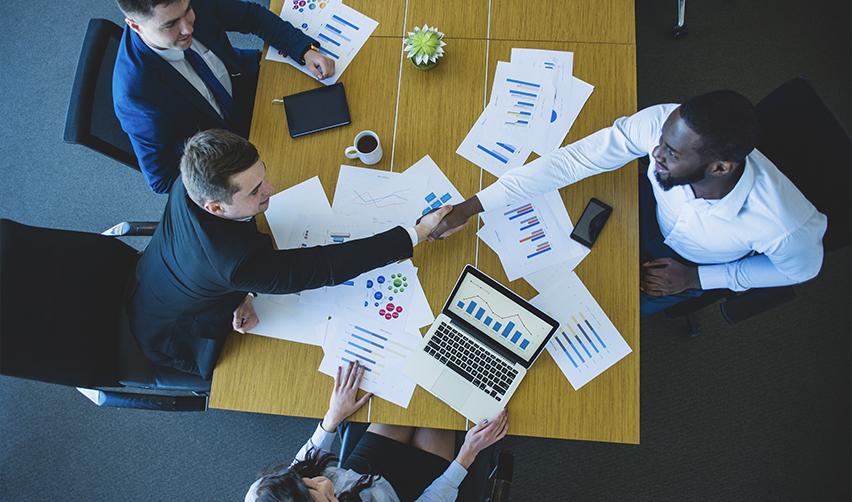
[[652, 245]]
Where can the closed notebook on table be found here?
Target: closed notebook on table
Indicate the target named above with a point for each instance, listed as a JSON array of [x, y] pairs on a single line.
[[316, 110]]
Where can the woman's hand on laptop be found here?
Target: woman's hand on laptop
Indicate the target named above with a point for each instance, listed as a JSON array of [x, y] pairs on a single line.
[[481, 436], [344, 398]]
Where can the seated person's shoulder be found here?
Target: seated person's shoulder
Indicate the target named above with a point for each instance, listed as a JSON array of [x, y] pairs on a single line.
[[775, 197]]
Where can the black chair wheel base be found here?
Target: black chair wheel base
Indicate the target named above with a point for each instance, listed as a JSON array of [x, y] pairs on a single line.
[[679, 32]]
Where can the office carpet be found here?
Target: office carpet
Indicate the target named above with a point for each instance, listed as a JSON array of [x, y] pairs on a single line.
[[754, 411]]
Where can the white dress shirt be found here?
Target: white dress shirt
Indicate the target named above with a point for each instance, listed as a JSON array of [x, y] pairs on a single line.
[[175, 57], [763, 233]]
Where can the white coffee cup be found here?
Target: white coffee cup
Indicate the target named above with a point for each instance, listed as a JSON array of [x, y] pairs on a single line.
[[366, 147]]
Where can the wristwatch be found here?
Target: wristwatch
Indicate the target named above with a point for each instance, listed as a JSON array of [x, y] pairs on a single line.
[[314, 47]]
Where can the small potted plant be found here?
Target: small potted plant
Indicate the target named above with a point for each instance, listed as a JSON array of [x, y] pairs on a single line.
[[425, 46]]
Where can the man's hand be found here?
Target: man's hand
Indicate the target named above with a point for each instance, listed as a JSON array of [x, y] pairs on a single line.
[[428, 222], [481, 436], [667, 276], [245, 318], [457, 219], [344, 400], [321, 66]]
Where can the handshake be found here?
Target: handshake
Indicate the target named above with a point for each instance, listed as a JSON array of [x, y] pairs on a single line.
[[447, 220]]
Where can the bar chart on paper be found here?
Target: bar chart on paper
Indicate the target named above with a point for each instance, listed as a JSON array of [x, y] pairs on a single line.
[[380, 351], [340, 30], [532, 235], [587, 342]]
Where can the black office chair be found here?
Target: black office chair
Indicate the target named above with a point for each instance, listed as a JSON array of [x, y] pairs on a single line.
[[489, 478], [804, 139], [63, 319], [91, 119]]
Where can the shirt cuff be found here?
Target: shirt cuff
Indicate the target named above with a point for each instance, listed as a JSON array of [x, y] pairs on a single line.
[[492, 197], [322, 439], [713, 276], [455, 473], [413, 234]]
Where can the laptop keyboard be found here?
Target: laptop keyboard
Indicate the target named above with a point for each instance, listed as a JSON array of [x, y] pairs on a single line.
[[470, 360]]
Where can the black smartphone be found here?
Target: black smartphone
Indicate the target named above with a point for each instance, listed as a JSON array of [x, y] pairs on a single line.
[[591, 222]]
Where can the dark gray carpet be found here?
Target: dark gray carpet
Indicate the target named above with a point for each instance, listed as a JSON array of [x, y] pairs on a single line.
[[756, 411]]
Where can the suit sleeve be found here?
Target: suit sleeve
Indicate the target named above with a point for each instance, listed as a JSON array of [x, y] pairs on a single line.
[[152, 139], [291, 270], [249, 17]]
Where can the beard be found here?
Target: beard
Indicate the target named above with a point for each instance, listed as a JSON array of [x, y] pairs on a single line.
[[673, 181]]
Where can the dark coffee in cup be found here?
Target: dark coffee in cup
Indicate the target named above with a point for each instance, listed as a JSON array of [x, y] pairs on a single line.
[[366, 144]]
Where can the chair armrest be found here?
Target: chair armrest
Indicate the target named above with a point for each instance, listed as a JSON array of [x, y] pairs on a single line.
[[132, 229], [161, 402]]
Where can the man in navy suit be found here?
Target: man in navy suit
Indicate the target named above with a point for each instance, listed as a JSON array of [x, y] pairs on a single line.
[[176, 74]]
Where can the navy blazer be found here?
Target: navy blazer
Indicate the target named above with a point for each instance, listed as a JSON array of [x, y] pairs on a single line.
[[199, 267], [159, 109]]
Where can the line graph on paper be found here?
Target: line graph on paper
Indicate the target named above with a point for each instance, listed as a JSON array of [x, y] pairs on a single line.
[[381, 201]]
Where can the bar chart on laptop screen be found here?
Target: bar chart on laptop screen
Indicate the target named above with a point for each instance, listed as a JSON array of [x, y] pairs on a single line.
[[495, 314]]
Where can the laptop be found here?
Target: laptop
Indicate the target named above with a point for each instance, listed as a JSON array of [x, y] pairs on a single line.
[[480, 347]]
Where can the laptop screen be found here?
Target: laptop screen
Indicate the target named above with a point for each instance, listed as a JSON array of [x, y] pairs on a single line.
[[503, 316]]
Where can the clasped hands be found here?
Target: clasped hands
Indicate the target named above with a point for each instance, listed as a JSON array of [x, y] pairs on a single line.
[[667, 276]]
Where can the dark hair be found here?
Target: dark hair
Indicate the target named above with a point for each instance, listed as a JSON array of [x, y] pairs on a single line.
[[143, 7], [725, 121], [210, 159], [284, 483]]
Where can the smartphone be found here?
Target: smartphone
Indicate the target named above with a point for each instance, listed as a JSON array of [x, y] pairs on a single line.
[[591, 222]]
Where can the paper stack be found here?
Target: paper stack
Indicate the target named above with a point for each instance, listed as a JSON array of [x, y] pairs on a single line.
[[534, 101]]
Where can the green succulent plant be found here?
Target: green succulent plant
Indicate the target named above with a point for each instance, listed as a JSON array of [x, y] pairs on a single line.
[[425, 45]]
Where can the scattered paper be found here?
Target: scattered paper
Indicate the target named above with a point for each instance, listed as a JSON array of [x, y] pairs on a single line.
[[286, 206], [283, 317], [570, 94], [534, 101], [587, 343], [542, 279], [531, 236], [438, 190], [381, 352], [385, 198], [340, 30], [492, 148]]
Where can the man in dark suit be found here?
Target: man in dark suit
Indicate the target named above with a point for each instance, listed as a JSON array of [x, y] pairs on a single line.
[[195, 281], [176, 74]]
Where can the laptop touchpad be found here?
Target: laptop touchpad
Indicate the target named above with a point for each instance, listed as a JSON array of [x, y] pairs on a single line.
[[452, 389]]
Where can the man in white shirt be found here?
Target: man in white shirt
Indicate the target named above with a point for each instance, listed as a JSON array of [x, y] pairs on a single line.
[[176, 73], [714, 211]]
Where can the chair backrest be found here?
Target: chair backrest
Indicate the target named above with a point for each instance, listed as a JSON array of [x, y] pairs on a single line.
[[91, 119], [61, 294], [801, 135]]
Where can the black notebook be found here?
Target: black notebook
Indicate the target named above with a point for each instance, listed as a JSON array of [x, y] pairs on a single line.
[[316, 110]]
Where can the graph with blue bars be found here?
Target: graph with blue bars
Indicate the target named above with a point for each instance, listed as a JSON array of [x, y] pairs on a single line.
[[580, 341], [371, 347], [480, 314], [524, 97], [336, 35]]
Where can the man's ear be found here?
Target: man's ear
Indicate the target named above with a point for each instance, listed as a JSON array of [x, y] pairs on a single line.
[[214, 207], [721, 168], [133, 24]]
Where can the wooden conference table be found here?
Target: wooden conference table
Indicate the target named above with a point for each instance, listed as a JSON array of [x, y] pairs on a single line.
[[417, 113]]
